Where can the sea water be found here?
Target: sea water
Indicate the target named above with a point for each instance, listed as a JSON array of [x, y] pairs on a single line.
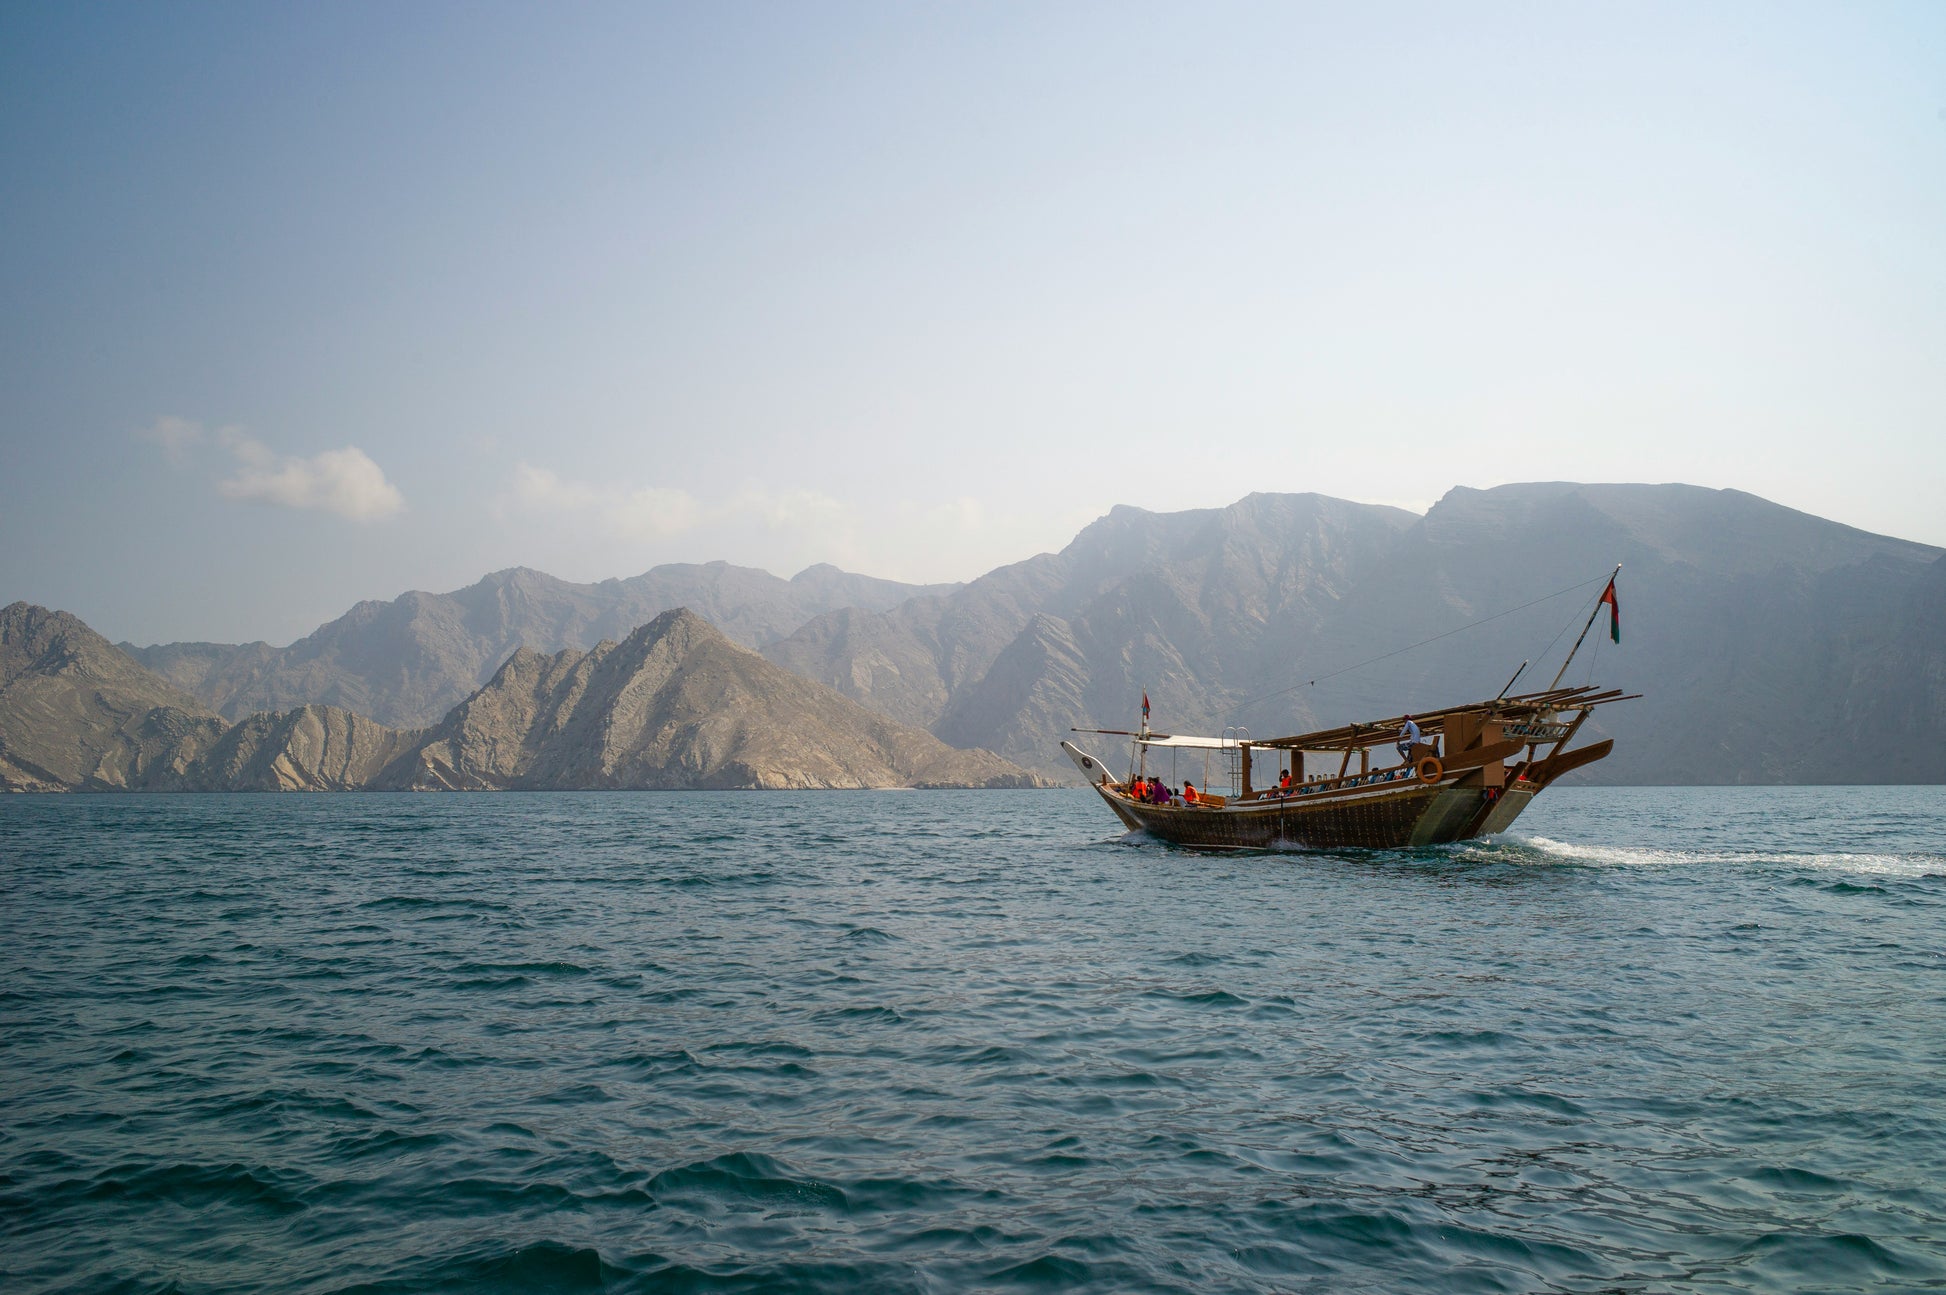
[[1682, 1040]]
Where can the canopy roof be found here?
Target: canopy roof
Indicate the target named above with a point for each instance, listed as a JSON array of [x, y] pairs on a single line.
[[1525, 706], [1374, 732], [1183, 740]]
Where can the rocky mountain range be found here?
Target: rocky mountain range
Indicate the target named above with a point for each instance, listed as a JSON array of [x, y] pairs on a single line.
[[406, 662], [77, 714], [674, 704], [1770, 645]]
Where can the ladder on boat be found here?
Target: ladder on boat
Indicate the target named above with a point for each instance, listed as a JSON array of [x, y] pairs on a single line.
[[1233, 740]]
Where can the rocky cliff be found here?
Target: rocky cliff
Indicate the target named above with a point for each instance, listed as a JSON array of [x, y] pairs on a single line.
[[408, 661], [311, 748], [675, 704], [1194, 607], [75, 713], [1771, 645]]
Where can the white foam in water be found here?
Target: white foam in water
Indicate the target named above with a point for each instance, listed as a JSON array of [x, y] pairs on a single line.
[[1610, 856], [1616, 856]]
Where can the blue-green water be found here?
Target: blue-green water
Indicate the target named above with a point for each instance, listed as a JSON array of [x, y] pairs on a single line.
[[1660, 1040]]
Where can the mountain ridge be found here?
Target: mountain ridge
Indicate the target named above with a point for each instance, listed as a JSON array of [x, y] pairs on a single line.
[[1221, 616], [1772, 644], [406, 661], [675, 704], [76, 712]]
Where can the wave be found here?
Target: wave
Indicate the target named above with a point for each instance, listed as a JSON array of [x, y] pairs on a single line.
[[544, 1265], [1546, 850], [981, 1050], [748, 1176]]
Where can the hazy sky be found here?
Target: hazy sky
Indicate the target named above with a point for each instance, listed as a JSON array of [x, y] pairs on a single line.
[[312, 303]]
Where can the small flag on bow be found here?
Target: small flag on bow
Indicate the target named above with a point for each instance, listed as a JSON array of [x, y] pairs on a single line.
[[1614, 611]]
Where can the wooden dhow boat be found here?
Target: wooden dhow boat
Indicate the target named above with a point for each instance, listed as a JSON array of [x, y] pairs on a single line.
[[1473, 770]]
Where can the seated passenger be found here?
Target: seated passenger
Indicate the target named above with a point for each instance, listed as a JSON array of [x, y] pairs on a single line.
[[1188, 792], [1409, 737]]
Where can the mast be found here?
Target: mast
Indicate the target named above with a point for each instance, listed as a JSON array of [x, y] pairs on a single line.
[[1583, 634]]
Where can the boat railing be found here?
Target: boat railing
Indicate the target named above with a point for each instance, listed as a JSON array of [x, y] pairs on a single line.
[[1326, 783], [1537, 730]]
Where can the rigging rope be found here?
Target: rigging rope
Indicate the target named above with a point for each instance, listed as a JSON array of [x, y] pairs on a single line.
[[1562, 633], [1311, 683]]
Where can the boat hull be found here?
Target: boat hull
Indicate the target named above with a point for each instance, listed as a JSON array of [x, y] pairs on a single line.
[[1389, 818]]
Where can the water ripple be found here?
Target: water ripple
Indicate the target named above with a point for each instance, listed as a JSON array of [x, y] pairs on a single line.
[[1661, 1040]]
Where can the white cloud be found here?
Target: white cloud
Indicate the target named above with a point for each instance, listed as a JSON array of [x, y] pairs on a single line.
[[541, 491], [785, 529], [964, 537], [649, 513], [176, 436], [624, 512], [345, 482], [962, 514], [753, 524], [790, 509]]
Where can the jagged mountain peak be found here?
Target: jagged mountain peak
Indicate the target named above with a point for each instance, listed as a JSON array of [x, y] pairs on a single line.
[[678, 622], [675, 703], [1735, 606], [26, 628], [523, 579], [1724, 531], [37, 640], [75, 711], [409, 660], [32, 636]]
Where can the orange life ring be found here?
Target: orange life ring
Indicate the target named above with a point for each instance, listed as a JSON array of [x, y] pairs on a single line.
[[1430, 769]]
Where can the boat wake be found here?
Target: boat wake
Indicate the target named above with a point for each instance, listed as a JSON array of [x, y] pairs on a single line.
[[1535, 851], [1545, 851]]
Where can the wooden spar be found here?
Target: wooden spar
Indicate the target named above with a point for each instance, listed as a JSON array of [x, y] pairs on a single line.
[[1367, 734], [1353, 737], [1564, 762], [1510, 683], [1584, 630]]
